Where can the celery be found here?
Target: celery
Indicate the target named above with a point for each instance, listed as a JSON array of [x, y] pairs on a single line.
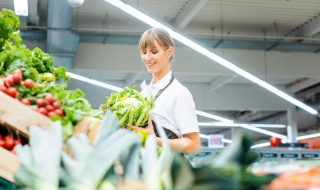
[[142, 117], [131, 99], [40, 161]]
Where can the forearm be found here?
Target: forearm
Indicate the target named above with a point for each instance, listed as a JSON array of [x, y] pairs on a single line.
[[183, 145]]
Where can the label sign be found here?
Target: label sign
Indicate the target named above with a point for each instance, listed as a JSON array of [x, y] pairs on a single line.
[[309, 155], [215, 141], [268, 155], [289, 155]]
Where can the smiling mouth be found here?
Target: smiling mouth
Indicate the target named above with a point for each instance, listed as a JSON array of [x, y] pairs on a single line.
[[150, 64]]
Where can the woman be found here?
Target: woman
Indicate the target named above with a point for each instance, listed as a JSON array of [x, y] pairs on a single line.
[[174, 106]]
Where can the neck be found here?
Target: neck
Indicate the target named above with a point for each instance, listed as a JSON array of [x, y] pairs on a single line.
[[157, 76]]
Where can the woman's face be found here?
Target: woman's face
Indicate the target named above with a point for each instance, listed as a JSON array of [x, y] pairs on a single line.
[[156, 59]]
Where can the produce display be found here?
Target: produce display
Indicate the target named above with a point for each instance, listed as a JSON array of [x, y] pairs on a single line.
[[30, 77], [9, 142], [130, 106]]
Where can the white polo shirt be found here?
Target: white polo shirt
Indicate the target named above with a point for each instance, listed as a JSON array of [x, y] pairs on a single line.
[[174, 109]]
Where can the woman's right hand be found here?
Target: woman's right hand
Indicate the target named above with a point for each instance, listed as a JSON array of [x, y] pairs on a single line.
[[149, 129]]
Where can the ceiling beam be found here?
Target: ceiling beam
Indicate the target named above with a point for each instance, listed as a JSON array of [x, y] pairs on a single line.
[[311, 28], [188, 12]]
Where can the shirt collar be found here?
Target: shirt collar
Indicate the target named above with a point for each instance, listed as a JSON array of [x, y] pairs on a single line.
[[163, 82]]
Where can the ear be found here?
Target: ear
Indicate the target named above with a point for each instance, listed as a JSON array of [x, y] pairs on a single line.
[[170, 51]]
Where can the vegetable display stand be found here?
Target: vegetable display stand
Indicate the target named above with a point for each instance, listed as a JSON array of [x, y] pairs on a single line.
[[18, 116], [9, 162], [89, 126]]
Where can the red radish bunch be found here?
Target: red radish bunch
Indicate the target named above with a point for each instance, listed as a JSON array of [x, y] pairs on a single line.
[[15, 79], [48, 106], [9, 142]]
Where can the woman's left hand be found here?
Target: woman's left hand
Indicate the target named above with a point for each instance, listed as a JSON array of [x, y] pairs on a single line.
[[148, 129]]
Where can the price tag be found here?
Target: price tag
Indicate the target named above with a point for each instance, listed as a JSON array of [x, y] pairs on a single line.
[[268, 155], [215, 141], [289, 155], [309, 155]]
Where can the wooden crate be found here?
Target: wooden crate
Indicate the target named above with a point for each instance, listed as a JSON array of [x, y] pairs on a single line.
[[9, 162], [20, 117], [89, 126]]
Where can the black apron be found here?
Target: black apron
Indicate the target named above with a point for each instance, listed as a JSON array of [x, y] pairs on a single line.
[[169, 133]]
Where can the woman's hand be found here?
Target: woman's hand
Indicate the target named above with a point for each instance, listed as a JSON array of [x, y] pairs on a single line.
[[148, 129]]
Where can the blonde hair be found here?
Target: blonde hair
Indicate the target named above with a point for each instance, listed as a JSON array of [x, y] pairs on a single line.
[[158, 34]]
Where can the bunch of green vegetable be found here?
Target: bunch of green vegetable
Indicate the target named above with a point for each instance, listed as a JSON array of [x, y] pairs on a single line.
[[130, 106], [15, 55]]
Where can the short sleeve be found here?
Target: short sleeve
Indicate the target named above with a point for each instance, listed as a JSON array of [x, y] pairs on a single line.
[[184, 112]]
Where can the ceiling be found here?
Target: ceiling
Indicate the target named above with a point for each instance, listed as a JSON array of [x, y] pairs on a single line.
[[276, 40]]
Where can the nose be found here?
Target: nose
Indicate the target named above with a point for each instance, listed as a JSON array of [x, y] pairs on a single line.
[[147, 56]]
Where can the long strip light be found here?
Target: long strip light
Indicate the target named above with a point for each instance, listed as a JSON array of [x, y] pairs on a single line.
[[250, 127], [154, 23], [21, 7], [94, 82], [212, 116], [225, 124], [308, 136]]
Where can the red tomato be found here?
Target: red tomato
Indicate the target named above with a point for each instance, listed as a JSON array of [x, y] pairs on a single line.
[[49, 99], [12, 91], [56, 105], [17, 77], [49, 108], [42, 110], [1, 143], [40, 102], [4, 89], [8, 81], [52, 113], [59, 112], [28, 83], [17, 141], [17, 71], [25, 101], [9, 143], [274, 141]]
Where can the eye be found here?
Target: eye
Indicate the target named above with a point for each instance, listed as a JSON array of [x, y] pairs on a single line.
[[144, 52], [154, 51]]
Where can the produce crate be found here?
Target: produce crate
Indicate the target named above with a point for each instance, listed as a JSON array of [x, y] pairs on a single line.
[[89, 126], [9, 162], [18, 116]]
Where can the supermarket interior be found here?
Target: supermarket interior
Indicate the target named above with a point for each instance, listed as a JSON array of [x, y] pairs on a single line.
[[80, 80]]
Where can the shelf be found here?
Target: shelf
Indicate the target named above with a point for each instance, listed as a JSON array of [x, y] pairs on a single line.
[[20, 117], [9, 162], [288, 153]]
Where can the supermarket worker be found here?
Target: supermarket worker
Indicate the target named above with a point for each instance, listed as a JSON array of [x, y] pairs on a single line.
[[174, 107]]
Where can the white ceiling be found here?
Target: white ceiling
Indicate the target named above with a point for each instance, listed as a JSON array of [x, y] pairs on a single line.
[[276, 40]]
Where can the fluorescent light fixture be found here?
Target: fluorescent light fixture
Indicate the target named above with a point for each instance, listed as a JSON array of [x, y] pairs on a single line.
[[225, 124], [94, 82], [308, 136], [223, 140], [250, 127], [154, 23], [261, 145], [212, 116], [264, 131], [21, 7]]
